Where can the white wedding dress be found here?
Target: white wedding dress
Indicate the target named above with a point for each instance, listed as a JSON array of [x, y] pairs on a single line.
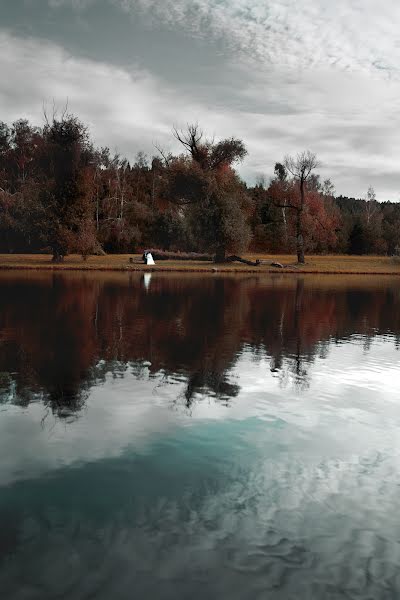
[[149, 259]]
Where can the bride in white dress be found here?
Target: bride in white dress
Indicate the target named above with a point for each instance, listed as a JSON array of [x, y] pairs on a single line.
[[149, 259]]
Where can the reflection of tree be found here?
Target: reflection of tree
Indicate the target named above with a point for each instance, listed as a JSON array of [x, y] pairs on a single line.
[[296, 366], [75, 330], [209, 380]]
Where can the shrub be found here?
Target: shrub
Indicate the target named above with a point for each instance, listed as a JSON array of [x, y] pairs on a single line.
[[166, 255]]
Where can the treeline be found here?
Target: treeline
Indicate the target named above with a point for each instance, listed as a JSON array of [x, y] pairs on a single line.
[[61, 194]]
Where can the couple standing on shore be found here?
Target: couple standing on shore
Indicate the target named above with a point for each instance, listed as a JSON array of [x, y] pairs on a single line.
[[148, 258]]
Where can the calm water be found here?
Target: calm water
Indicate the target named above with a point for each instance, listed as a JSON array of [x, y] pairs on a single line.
[[171, 437]]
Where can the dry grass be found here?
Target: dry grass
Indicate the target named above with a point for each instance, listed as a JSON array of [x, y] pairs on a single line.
[[341, 264]]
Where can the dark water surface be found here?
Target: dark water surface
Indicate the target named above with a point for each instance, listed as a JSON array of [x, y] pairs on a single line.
[[178, 436]]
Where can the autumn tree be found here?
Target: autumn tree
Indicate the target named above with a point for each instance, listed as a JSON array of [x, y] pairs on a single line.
[[206, 185], [270, 223], [220, 220], [60, 193], [391, 226], [312, 213], [67, 160], [21, 177], [301, 168], [321, 223]]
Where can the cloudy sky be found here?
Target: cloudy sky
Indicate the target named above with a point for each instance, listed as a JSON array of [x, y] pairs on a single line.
[[284, 75]]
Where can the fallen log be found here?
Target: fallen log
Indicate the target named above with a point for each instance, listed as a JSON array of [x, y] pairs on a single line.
[[235, 258], [274, 263]]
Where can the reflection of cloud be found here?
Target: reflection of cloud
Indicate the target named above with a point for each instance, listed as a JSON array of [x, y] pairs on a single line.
[[350, 407], [243, 501], [118, 413]]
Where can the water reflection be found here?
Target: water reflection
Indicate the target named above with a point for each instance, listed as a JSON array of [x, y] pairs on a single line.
[[229, 437], [62, 333]]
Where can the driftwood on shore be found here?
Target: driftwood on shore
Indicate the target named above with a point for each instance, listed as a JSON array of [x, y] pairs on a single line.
[[256, 263], [235, 258], [278, 265]]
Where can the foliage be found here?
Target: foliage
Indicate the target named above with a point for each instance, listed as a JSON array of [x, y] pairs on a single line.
[[58, 191]]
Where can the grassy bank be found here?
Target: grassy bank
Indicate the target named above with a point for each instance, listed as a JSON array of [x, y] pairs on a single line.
[[339, 264]]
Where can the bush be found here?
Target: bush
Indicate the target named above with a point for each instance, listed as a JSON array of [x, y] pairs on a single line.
[[166, 255]]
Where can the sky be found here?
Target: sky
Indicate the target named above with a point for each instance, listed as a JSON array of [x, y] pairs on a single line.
[[283, 75]]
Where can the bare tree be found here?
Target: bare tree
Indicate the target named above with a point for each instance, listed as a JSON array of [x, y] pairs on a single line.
[[281, 175], [192, 140], [166, 157], [300, 168], [328, 189], [208, 183], [261, 181], [371, 204], [207, 153]]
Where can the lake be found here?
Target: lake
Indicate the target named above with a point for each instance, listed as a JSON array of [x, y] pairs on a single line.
[[171, 436]]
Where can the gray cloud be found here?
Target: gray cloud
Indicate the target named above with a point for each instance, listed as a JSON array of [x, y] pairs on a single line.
[[345, 34], [244, 71]]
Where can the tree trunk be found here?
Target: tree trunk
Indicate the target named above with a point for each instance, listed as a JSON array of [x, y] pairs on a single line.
[[299, 227], [220, 254], [57, 257], [153, 190], [97, 212], [285, 233], [299, 239]]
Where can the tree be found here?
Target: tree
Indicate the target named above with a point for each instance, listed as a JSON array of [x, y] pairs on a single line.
[[83, 241], [67, 201], [204, 183], [309, 214], [391, 226], [269, 223], [321, 223], [371, 204], [281, 175], [208, 154], [220, 220], [328, 189], [357, 240], [370, 222], [301, 168], [59, 192], [169, 229], [21, 178]]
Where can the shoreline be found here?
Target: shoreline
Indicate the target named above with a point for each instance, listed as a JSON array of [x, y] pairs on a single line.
[[315, 265]]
